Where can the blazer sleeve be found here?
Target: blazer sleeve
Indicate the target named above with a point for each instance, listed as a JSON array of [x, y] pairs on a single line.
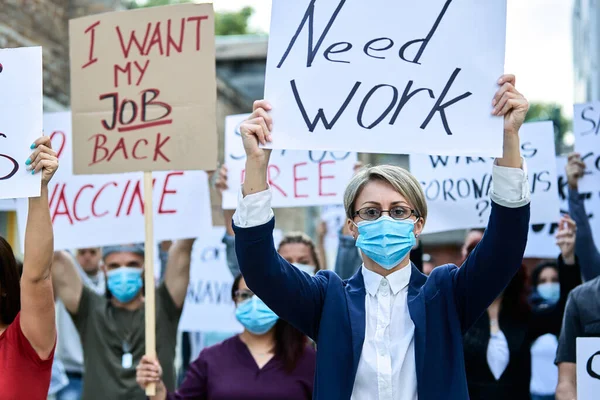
[[492, 264], [292, 294]]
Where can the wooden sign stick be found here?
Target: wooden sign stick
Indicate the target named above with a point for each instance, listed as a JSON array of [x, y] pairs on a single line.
[[149, 276]]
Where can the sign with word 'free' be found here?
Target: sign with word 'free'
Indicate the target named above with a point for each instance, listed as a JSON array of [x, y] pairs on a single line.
[[457, 188], [588, 368], [143, 90], [586, 128], [209, 290], [20, 119], [100, 210], [386, 76], [541, 241], [297, 178]]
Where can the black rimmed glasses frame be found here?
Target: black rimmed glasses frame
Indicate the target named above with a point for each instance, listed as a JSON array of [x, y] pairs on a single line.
[[398, 213]]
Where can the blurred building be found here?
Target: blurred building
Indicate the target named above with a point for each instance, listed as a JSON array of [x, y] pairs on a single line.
[[586, 50]]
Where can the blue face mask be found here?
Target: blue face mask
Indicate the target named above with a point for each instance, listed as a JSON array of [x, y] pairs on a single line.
[[255, 316], [549, 291], [309, 269], [386, 241], [125, 283]]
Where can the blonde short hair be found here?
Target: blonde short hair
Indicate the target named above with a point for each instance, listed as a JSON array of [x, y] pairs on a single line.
[[399, 178]]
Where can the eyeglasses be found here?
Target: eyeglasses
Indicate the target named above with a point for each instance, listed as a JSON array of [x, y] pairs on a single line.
[[243, 295], [92, 252], [397, 213]]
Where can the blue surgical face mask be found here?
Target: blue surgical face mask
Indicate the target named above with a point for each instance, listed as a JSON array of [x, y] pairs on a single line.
[[255, 316], [549, 291], [386, 241], [309, 269], [125, 283]]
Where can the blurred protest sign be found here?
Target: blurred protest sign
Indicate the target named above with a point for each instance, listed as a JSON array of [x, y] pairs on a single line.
[[586, 125], [541, 241], [99, 210], [297, 178], [8, 205], [387, 77], [457, 188], [20, 119], [209, 291], [143, 90]]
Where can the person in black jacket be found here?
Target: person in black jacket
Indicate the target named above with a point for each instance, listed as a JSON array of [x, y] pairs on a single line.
[[497, 349]]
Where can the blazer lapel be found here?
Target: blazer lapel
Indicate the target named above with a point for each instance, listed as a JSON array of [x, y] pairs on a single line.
[[416, 308], [355, 295]]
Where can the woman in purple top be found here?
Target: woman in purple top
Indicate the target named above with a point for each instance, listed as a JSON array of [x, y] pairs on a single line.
[[270, 360]]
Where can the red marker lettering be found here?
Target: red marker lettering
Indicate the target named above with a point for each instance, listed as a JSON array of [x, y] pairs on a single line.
[[171, 42], [271, 178], [100, 141], [158, 146], [92, 31], [133, 152], [198, 24], [97, 196], [156, 40], [296, 180], [76, 200], [323, 177], [133, 40], [167, 191]]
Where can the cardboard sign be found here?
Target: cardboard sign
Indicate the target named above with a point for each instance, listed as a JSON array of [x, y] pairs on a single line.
[[20, 119], [8, 205], [297, 178], [386, 77], [541, 242], [143, 90], [99, 210], [586, 128], [457, 188], [588, 368]]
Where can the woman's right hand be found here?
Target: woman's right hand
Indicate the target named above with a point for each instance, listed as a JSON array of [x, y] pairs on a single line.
[[147, 372], [256, 131]]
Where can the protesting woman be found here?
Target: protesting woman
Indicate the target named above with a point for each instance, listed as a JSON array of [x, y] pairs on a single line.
[[270, 360], [389, 332], [27, 326]]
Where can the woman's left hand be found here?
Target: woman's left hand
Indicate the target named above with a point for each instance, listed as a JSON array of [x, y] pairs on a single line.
[[565, 239], [43, 159], [511, 104]]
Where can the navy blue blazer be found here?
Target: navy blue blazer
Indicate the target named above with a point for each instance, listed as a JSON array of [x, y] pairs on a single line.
[[442, 307]]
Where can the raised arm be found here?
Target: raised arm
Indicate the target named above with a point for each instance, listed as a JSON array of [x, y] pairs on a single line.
[[177, 275], [492, 264], [292, 294], [66, 280], [586, 249], [37, 298]]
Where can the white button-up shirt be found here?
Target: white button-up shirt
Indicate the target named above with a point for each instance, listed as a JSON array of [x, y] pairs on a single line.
[[387, 368]]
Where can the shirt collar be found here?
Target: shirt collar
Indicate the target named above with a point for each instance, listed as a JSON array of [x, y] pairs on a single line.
[[398, 280]]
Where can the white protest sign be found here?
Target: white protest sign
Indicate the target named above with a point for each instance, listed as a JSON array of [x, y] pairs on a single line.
[[209, 291], [586, 127], [8, 205], [386, 76], [457, 188], [99, 210], [20, 119], [588, 368], [297, 178]]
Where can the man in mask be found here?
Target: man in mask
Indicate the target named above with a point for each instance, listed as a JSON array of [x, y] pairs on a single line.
[[112, 326], [69, 352]]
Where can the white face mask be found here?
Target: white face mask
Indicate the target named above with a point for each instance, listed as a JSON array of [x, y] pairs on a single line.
[[309, 269]]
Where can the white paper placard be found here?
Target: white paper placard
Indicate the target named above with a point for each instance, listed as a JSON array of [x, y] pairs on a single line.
[[100, 210], [386, 76], [209, 291], [297, 178], [8, 205], [588, 368], [457, 188], [586, 128], [20, 119], [541, 242]]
